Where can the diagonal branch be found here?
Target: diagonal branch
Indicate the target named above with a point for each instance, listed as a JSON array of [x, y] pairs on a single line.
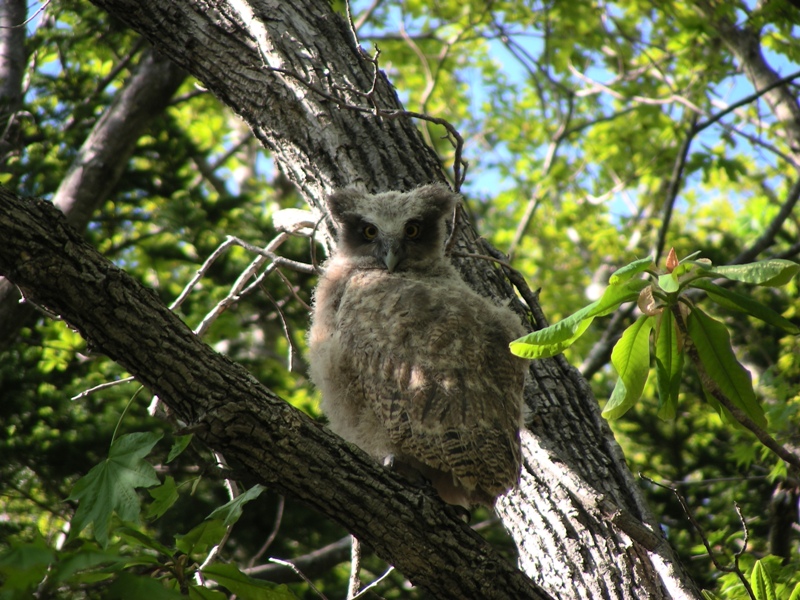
[[227, 409]]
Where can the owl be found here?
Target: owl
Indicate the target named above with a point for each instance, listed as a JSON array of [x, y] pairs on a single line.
[[413, 365]]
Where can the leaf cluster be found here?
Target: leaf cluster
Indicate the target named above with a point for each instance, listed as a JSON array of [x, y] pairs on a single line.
[[677, 324]]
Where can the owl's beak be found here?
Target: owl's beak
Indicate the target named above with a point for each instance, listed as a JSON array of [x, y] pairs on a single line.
[[392, 257]]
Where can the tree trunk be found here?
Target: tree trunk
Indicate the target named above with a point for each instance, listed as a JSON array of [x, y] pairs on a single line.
[[292, 71]]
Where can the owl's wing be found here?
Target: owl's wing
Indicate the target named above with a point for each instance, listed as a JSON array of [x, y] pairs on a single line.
[[434, 363]]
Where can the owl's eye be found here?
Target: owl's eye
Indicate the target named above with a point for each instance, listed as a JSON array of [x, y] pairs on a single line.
[[413, 230], [370, 232]]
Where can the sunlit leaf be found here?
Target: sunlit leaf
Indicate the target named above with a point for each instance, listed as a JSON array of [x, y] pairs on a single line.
[[669, 365], [713, 345], [631, 359], [762, 584], [747, 305], [534, 346], [668, 282], [630, 271], [773, 272], [556, 338], [795, 595]]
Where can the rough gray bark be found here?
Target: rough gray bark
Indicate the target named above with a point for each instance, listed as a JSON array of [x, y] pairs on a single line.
[[225, 407], [13, 58], [100, 162], [292, 72]]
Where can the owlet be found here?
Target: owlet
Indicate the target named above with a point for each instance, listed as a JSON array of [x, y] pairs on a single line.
[[413, 365]]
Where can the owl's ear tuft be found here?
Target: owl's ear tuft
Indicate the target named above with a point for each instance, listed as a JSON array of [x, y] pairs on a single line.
[[343, 202], [438, 196]]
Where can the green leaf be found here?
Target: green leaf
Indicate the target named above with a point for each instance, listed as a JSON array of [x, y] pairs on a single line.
[[551, 340], [763, 586], [746, 304], [200, 592], [230, 512], [631, 359], [556, 338], [773, 272], [689, 258], [713, 345], [246, 587], [181, 443], [201, 538], [137, 538], [669, 365], [614, 295], [708, 595], [795, 595], [86, 559], [630, 271], [132, 586], [111, 485], [23, 567], [669, 283], [165, 496]]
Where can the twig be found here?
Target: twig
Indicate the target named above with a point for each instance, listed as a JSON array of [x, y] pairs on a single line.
[[746, 100], [735, 568], [366, 588], [101, 387], [286, 331], [516, 278], [315, 563], [223, 247], [39, 10], [366, 14], [454, 223], [740, 553], [459, 164], [351, 23], [484, 257], [272, 534], [299, 573]]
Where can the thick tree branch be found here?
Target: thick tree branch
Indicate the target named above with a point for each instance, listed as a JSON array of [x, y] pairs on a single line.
[[225, 407]]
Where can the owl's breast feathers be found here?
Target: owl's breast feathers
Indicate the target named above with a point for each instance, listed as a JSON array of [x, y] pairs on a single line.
[[419, 368]]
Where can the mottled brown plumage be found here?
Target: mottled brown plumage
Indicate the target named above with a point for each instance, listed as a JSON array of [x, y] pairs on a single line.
[[411, 362]]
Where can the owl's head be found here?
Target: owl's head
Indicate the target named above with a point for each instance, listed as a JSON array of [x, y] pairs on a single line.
[[396, 231]]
